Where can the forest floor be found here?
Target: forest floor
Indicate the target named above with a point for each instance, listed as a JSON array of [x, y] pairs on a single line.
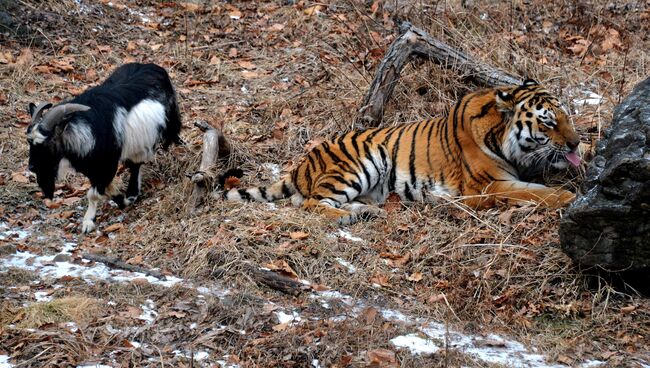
[[432, 285]]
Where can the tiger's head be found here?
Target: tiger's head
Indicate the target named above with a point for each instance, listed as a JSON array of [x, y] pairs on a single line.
[[539, 133]]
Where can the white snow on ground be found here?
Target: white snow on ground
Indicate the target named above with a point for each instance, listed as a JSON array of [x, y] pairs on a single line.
[[148, 311], [346, 235], [506, 352], [4, 362], [315, 363], [416, 344], [42, 296], [7, 233], [199, 355], [46, 267], [274, 169], [590, 98], [286, 318], [346, 264]]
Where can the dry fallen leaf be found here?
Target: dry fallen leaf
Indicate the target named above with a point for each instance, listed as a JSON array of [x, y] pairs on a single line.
[[298, 235], [415, 277], [246, 64], [282, 267], [313, 10], [628, 309], [113, 227], [19, 177], [135, 260], [381, 357], [380, 279]]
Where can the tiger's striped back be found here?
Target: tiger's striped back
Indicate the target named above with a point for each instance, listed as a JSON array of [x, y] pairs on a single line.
[[476, 152]]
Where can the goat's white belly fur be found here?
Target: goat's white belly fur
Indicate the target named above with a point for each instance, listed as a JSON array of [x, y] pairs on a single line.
[[139, 130]]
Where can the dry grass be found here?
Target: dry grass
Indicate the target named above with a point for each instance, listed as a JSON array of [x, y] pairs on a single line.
[[499, 270], [77, 309]]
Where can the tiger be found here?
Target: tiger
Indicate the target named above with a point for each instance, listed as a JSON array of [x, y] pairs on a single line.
[[476, 153]]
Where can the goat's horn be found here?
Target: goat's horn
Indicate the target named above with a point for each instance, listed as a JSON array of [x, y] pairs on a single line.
[[58, 113], [38, 111]]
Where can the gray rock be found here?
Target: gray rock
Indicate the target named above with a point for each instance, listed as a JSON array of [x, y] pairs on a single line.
[[609, 226]]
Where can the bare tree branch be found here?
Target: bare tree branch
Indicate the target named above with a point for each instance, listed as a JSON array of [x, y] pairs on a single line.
[[414, 42]]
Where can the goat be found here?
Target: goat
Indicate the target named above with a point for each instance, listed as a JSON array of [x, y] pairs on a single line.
[[120, 120]]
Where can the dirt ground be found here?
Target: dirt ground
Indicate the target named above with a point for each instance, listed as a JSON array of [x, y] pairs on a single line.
[[433, 285]]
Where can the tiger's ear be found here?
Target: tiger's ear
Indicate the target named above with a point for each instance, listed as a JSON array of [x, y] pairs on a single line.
[[505, 101]]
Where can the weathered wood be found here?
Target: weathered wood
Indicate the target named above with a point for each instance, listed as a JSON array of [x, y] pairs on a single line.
[[215, 147], [414, 42], [115, 262], [277, 281]]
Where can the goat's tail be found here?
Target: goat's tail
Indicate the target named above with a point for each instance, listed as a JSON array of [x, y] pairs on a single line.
[[278, 190]]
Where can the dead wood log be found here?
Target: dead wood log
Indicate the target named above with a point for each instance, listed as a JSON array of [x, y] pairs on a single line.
[[215, 147], [414, 42], [115, 262], [277, 281]]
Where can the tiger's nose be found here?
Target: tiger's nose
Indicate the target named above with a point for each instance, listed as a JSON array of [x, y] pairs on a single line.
[[573, 143]]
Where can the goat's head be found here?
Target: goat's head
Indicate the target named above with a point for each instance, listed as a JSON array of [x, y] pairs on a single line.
[[43, 134]]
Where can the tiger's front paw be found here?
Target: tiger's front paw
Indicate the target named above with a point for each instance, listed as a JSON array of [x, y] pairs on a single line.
[[561, 198]]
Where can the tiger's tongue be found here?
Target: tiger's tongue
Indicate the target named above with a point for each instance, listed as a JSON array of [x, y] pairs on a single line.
[[573, 158]]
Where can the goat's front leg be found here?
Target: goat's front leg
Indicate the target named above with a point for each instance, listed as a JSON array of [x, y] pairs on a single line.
[[522, 192], [94, 199], [133, 189]]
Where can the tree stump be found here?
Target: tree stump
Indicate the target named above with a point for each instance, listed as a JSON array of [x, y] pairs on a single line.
[[215, 147]]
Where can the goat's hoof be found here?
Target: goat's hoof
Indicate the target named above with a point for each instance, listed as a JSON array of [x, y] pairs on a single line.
[[87, 226]]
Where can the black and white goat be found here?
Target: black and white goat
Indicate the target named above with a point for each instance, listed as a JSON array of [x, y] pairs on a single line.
[[120, 120]]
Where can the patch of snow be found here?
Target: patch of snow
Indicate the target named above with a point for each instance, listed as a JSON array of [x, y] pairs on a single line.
[[46, 267], [199, 355], [590, 98], [274, 169], [135, 344], [315, 363], [287, 318], [148, 312], [346, 264], [224, 364], [193, 325], [7, 233], [72, 326], [416, 344], [42, 296], [346, 235], [4, 362]]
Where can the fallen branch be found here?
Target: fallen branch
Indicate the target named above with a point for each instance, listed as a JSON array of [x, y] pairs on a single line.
[[115, 262], [215, 147], [415, 42], [276, 281]]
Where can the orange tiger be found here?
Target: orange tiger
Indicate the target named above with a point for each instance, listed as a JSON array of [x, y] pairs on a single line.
[[477, 152]]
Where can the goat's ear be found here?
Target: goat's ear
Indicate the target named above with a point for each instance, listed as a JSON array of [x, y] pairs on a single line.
[[31, 108], [505, 101]]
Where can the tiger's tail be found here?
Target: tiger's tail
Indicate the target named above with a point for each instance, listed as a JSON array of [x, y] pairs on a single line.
[[278, 190]]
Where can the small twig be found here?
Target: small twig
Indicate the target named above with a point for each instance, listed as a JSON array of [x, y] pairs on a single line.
[[276, 281], [115, 262]]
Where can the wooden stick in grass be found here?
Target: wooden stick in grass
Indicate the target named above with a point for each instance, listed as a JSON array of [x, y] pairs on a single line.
[[277, 281], [414, 42], [115, 262], [215, 147]]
